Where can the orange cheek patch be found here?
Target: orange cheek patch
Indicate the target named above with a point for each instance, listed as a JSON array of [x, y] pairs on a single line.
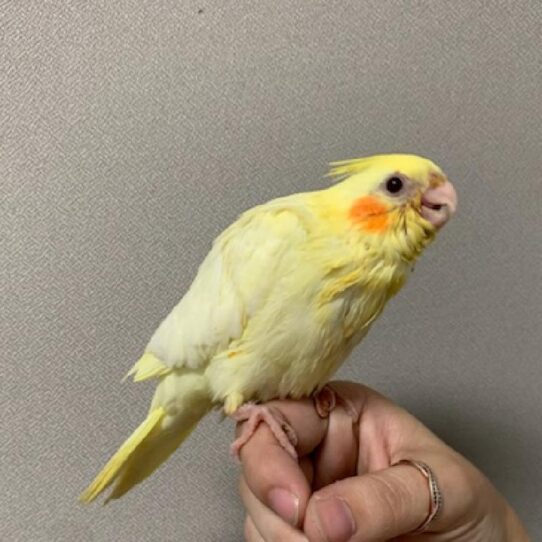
[[370, 214]]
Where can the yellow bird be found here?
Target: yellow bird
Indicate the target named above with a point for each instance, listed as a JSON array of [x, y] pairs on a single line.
[[284, 295]]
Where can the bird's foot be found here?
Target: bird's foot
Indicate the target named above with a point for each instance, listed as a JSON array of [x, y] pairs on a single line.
[[325, 401], [253, 415]]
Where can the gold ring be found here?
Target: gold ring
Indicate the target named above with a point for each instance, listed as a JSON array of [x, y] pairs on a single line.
[[436, 501]]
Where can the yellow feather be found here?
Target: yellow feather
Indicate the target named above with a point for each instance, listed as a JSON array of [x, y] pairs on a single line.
[[115, 464], [344, 168], [148, 366], [180, 401]]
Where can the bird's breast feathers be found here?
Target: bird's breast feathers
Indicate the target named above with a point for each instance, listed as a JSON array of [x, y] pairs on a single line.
[[276, 306]]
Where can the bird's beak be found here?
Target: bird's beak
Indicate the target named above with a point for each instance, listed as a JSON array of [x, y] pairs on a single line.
[[439, 203]]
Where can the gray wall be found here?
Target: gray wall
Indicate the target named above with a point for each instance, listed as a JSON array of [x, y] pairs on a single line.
[[132, 132]]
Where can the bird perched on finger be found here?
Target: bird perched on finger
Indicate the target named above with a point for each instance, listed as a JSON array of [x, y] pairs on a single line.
[[285, 294]]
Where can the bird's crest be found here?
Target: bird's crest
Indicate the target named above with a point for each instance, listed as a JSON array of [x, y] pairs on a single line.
[[345, 168], [409, 164]]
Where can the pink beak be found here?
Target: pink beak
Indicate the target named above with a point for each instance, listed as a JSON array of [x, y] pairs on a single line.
[[439, 204]]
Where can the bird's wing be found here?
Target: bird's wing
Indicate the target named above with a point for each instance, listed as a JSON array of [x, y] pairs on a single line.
[[231, 285]]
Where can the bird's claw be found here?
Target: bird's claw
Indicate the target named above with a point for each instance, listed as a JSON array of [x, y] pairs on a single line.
[[325, 401], [253, 415]]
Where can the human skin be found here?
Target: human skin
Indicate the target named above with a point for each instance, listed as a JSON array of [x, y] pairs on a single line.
[[344, 487]]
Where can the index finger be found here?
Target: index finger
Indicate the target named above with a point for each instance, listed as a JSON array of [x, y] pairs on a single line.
[[272, 475]]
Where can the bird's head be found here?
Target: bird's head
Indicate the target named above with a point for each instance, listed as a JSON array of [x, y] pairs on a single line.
[[398, 200]]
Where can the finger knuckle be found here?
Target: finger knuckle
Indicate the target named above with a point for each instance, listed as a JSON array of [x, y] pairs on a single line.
[[466, 480]]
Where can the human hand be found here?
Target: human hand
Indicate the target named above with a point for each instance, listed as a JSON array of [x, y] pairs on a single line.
[[344, 487]]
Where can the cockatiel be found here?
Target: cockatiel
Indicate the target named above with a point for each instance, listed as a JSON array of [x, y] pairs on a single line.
[[282, 298]]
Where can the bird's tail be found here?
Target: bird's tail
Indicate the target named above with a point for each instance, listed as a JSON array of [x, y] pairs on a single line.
[[182, 398]]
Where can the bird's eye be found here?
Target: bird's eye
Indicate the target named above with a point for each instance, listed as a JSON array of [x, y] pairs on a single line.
[[394, 185]]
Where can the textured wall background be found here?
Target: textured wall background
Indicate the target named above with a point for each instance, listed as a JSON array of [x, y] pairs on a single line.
[[133, 131]]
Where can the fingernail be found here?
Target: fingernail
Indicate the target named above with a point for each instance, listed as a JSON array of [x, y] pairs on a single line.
[[334, 519], [285, 504]]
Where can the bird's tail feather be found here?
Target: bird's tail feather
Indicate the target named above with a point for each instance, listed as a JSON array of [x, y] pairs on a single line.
[[180, 401]]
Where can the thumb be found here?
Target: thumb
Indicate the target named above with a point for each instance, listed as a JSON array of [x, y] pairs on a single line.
[[373, 507]]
